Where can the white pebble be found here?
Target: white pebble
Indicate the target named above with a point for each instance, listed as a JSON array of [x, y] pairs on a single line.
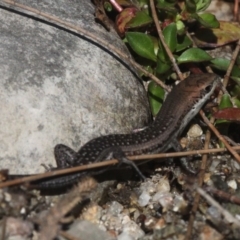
[[144, 199]]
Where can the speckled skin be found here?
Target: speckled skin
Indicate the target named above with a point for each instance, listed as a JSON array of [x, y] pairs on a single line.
[[181, 105]]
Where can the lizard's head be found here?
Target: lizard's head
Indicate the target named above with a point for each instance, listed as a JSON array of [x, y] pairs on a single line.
[[202, 85]]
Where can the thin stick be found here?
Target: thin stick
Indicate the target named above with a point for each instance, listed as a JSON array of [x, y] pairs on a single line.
[[228, 216], [230, 67], [160, 34], [222, 139], [109, 162], [223, 195]]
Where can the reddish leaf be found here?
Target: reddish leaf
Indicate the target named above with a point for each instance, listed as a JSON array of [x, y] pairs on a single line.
[[141, 19], [231, 114], [124, 17]]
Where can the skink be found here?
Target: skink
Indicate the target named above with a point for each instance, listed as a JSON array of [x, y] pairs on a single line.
[[181, 105]]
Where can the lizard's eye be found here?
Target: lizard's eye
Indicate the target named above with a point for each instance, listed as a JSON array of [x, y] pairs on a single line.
[[208, 88]]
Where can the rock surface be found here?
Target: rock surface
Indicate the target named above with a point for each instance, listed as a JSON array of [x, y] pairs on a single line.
[[88, 231], [57, 87]]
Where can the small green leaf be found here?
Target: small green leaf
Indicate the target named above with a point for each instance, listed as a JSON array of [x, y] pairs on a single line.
[[183, 42], [202, 5], [108, 6], [225, 102], [139, 20], [170, 36], [236, 102], [164, 3], [180, 27], [170, 1], [194, 55], [236, 80], [167, 6], [142, 44], [191, 6], [166, 9], [235, 91], [162, 67], [222, 64], [194, 6], [162, 54], [142, 3], [156, 97], [207, 20]]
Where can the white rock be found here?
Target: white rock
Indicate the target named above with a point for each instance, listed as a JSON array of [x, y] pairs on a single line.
[[163, 185], [59, 88], [164, 198], [124, 236], [115, 208], [130, 228], [195, 131], [144, 199], [232, 184]]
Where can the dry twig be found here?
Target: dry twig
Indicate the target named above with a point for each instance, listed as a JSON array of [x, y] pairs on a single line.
[[160, 34], [228, 216], [223, 195], [106, 163]]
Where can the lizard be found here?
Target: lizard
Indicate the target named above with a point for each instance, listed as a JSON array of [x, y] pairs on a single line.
[[181, 105]]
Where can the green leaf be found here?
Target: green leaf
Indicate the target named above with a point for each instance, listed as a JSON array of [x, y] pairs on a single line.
[[191, 6], [173, 2], [165, 3], [222, 64], [183, 42], [194, 55], [156, 97], [202, 5], [162, 54], [163, 61], [180, 27], [235, 91], [194, 6], [162, 67], [139, 20], [225, 102], [108, 6], [142, 44], [142, 3], [167, 6], [207, 20], [236, 80], [236, 102], [170, 36]]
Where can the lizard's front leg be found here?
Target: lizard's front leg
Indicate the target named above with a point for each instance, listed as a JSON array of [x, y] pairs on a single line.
[[64, 156], [118, 154]]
